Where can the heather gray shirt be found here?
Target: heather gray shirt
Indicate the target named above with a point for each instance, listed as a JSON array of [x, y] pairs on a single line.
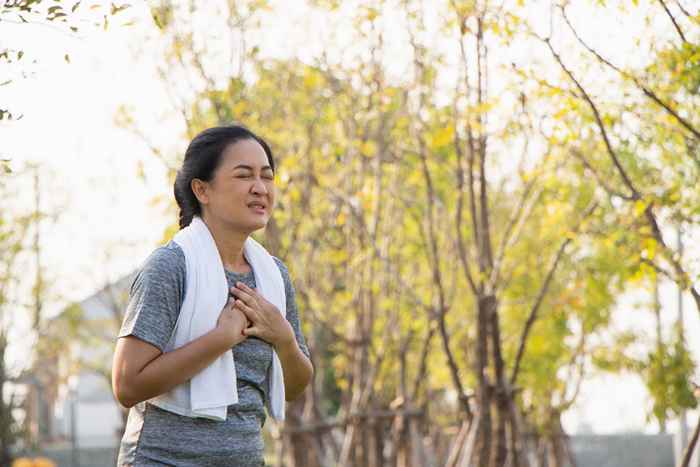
[[156, 437]]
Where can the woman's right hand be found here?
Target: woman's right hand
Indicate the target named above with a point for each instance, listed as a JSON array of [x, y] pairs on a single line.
[[232, 322], [141, 370]]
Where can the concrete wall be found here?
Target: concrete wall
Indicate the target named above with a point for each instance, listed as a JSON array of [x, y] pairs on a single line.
[[632, 450]]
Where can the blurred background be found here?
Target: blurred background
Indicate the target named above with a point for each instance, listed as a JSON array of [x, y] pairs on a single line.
[[490, 211]]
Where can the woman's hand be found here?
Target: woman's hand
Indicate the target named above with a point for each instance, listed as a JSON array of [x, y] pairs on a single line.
[[231, 323], [268, 323], [141, 370]]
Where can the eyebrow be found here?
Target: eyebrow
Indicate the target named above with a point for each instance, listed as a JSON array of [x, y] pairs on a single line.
[[243, 166]]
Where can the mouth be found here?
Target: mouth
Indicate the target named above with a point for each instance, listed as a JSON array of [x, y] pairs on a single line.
[[258, 207]]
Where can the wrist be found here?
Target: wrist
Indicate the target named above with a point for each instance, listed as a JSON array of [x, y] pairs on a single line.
[[287, 342], [224, 339]]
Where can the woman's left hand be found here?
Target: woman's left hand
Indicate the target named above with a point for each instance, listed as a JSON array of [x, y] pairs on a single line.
[[268, 323]]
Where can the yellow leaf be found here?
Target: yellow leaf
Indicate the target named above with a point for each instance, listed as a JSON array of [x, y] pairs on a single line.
[[337, 257], [368, 148], [649, 250], [238, 108], [312, 80], [372, 14], [443, 137]]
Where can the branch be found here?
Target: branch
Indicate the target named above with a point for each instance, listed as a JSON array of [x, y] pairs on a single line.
[[476, 231], [579, 379], [690, 449], [682, 8], [648, 211], [337, 336], [463, 253], [483, 192], [683, 281], [673, 20], [601, 181], [543, 291], [659, 269], [599, 122], [647, 91], [420, 375], [43, 24], [515, 224]]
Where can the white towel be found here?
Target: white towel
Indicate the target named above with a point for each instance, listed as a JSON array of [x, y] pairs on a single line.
[[210, 392]]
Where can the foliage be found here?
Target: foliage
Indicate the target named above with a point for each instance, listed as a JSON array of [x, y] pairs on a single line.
[[580, 161]]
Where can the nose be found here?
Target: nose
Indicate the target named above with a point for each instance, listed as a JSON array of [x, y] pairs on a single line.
[[259, 186]]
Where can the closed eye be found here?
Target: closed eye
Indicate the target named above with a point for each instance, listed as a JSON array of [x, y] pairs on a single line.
[[248, 176]]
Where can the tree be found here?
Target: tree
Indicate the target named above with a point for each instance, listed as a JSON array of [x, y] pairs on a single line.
[[450, 284], [646, 139], [12, 230]]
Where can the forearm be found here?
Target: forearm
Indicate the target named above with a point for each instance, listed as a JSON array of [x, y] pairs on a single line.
[[171, 369], [297, 369]]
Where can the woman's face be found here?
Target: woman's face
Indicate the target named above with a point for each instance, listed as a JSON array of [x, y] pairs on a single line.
[[243, 179]]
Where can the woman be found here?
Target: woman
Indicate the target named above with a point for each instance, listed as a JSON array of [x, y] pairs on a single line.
[[227, 181]]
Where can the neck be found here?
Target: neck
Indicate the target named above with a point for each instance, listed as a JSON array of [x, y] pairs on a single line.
[[229, 242]]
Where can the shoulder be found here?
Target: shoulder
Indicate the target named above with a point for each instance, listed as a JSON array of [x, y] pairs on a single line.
[[167, 261], [166, 258]]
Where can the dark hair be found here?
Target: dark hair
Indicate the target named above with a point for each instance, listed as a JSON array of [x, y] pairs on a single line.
[[202, 158]]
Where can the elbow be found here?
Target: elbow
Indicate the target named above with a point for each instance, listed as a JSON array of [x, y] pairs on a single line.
[[291, 396], [121, 389], [122, 395], [127, 403]]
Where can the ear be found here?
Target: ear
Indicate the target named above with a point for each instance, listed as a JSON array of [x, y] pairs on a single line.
[[200, 190]]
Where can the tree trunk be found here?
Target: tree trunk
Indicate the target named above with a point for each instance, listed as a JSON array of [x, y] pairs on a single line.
[[300, 446], [484, 391], [502, 393], [5, 410]]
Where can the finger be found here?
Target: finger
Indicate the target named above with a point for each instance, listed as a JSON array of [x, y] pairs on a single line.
[[252, 331], [245, 288], [258, 299], [249, 290], [243, 295], [252, 292], [247, 311]]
